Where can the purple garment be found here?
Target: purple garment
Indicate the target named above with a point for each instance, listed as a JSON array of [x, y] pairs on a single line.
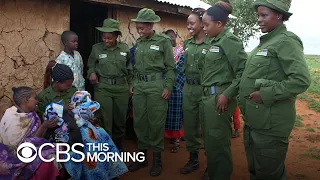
[[11, 167]]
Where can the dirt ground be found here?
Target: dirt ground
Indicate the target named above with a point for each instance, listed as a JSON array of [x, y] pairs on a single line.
[[303, 157]]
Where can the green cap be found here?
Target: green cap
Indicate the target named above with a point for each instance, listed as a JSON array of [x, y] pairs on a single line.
[[146, 15], [281, 6], [109, 26]]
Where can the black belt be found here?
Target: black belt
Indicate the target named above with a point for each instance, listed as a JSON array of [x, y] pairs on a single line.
[[193, 81], [149, 77], [115, 81]]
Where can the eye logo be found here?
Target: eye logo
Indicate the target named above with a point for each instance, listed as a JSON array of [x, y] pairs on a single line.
[[26, 152]]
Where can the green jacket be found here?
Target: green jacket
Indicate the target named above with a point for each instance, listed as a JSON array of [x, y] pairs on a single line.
[[155, 55], [278, 70], [194, 55], [48, 96], [224, 63], [111, 63]]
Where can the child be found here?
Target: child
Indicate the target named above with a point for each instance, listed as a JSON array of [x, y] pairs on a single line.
[[72, 58], [21, 124]]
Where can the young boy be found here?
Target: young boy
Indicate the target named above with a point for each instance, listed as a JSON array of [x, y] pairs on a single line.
[[72, 58]]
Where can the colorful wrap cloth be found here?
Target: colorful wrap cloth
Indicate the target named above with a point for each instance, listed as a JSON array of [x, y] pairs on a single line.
[[83, 112]]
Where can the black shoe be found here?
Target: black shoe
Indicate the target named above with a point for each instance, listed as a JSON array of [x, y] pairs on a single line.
[[138, 165], [205, 175], [192, 165], [156, 164]]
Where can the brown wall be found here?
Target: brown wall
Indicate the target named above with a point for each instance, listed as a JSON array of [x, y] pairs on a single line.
[[168, 21], [29, 36]]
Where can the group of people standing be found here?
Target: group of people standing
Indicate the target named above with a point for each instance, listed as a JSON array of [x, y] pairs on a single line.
[[201, 82], [219, 77]]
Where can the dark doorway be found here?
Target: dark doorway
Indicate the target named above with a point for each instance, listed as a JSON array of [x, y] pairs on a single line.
[[84, 18]]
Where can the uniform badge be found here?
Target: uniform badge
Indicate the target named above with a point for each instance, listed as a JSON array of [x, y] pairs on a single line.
[[214, 49], [154, 47], [186, 49], [262, 52], [101, 56], [123, 54], [204, 51]]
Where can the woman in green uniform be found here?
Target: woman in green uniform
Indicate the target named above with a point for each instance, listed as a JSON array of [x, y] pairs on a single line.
[[154, 77], [110, 71], [195, 49], [223, 67], [275, 73]]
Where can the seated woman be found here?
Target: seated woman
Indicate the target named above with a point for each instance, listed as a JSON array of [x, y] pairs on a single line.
[[60, 90], [84, 113], [21, 124]]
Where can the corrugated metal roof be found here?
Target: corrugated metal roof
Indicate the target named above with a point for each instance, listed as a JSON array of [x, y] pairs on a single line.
[[190, 3], [187, 3]]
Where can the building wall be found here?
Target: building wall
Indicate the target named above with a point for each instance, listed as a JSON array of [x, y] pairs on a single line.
[[29, 37], [168, 21]]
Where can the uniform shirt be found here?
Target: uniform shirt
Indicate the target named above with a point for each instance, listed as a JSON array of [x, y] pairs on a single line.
[[155, 55], [111, 63], [48, 96], [76, 65], [278, 70], [194, 56], [224, 63]]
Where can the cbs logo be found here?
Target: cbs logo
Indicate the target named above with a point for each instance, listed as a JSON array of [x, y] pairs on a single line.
[[27, 154]]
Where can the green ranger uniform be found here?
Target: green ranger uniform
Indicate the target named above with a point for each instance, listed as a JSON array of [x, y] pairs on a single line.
[[154, 71], [277, 69], [114, 69], [48, 96], [194, 56], [223, 67], [154, 57]]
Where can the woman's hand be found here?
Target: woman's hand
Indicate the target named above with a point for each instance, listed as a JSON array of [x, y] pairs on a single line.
[[51, 123], [222, 104], [256, 97], [94, 79], [68, 107], [166, 94]]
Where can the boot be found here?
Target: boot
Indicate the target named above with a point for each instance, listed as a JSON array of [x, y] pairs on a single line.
[[156, 164], [138, 165], [205, 175], [192, 165]]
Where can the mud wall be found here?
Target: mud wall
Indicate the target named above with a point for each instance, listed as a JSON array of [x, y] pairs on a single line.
[[29, 37]]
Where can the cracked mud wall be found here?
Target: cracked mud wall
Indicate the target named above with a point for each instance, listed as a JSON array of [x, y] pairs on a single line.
[[29, 37], [168, 21]]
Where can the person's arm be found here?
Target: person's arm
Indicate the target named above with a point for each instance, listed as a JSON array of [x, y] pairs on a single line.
[[92, 62], [169, 64], [291, 58], [81, 63], [129, 68], [237, 58], [41, 105]]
